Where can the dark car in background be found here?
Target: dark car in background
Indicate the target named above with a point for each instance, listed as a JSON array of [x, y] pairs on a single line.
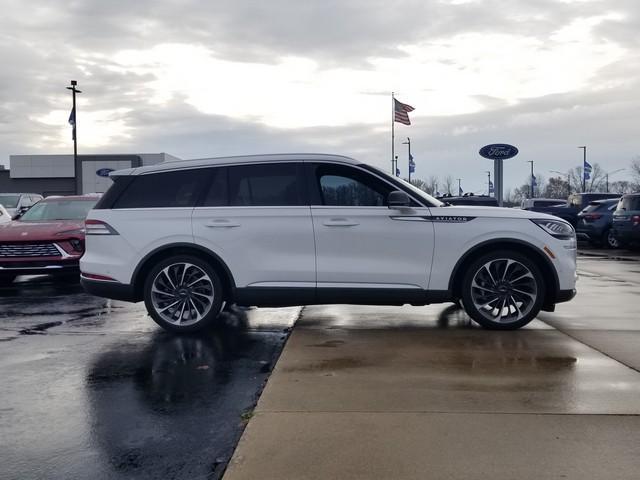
[[47, 239], [595, 221], [626, 219], [575, 204], [470, 199]]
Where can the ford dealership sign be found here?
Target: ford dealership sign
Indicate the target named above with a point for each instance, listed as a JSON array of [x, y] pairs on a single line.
[[104, 172], [498, 151]]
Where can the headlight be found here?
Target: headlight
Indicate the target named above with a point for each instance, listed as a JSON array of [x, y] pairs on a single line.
[[556, 228]]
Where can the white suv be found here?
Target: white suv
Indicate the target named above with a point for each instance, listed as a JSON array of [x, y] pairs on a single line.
[[281, 230]]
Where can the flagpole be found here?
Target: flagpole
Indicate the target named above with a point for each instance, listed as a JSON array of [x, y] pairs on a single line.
[[393, 134]]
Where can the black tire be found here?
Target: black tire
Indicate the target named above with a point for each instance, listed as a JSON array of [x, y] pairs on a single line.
[[6, 280], [158, 291], [609, 240], [519, 300]]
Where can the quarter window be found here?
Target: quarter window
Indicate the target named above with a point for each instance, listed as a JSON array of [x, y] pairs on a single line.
[[166, 189]]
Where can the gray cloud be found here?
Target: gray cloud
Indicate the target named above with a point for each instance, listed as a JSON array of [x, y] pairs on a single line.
[[43, 46]]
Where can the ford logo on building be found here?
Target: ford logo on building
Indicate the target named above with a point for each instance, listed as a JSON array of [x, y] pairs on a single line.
[[498, 151], [104, 172]]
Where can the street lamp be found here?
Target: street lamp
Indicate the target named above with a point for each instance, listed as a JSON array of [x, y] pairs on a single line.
[[611, 173], [73, 120], [531, 162], [584, 164], [408, 143], [488, 172]]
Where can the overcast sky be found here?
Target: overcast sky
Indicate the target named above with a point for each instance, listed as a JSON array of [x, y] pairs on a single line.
[[218, 77]]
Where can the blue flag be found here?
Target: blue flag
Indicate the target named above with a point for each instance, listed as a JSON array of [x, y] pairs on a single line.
[[587, 170], [533, 181], [491, 189], [72, 122], [460, 192], [412, 165], [397, 172]]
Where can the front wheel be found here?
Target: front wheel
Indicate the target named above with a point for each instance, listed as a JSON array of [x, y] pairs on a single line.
[[183, 294], [503, 291]]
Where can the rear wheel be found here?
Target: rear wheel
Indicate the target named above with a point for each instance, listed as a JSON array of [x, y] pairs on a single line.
[[183, 294], [609, 239], [503, 291]]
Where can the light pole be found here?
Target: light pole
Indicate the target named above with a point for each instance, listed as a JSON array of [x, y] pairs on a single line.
[[611, 173], [488, 172], [584, 163], [73, 120], [568, 183], [531, 162], [408, 143], [459, 187]]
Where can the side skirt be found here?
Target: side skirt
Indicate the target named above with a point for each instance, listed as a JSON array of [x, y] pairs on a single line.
[[288, 297]]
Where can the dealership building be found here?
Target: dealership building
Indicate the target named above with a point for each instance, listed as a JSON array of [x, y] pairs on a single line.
[[60, 175]]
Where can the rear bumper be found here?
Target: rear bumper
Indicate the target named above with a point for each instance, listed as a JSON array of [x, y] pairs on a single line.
[[106, 289]]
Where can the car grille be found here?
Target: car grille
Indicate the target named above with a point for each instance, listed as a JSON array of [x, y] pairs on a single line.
[[28, 250]]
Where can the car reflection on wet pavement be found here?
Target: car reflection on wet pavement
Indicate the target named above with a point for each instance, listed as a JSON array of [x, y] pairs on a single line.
[[92, 388]]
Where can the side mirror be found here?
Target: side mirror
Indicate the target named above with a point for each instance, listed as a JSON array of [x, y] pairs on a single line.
[[398, 199]]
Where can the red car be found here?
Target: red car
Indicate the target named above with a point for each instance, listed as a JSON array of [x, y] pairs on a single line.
[[47, 239]]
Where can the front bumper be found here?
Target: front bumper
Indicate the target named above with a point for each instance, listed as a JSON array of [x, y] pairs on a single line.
[[41, 267]]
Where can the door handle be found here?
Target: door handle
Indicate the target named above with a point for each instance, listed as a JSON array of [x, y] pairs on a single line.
[[222, 223], [340, 222]]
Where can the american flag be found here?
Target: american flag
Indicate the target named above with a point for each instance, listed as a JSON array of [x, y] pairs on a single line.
[[401, 112]]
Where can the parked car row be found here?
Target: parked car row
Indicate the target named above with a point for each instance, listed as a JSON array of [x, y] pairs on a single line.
[[47, 238], [602, 219]]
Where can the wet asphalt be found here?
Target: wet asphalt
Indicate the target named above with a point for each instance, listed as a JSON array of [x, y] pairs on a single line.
[[92, 388]]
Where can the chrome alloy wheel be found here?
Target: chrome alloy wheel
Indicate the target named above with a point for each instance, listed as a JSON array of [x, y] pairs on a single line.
[[504, 290], [612, 241], [182, 294]]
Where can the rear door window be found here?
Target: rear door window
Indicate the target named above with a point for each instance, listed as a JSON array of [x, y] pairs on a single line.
[[276, 184], [164, 189], [340, 185]]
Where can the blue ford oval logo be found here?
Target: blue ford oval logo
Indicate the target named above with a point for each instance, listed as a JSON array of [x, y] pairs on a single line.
[[498, 151], [104, 172]]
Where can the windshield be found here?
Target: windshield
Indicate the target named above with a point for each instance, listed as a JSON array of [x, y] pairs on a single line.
[[415, 190], [9, 201], [59, 210]]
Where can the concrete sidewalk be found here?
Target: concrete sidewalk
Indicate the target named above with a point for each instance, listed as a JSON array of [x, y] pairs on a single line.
[[415, 393]]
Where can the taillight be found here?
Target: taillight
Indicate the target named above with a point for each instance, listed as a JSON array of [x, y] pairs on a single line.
[[592, 216], [98, 227], [635, 220]]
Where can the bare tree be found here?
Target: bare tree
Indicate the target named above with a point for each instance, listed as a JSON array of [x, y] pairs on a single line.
[[595, 183], [432, 185], [623, 186], [635, 169], [556, 188], [419, 183], [448, 183]]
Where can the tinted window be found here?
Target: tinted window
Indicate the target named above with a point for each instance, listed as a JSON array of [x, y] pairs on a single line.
[[166, 189], [630, 203], [217, 195], [264, 185], [345, 186], [592, 207]]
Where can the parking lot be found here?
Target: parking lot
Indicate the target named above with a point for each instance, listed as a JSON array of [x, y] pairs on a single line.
[[93, 389]]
